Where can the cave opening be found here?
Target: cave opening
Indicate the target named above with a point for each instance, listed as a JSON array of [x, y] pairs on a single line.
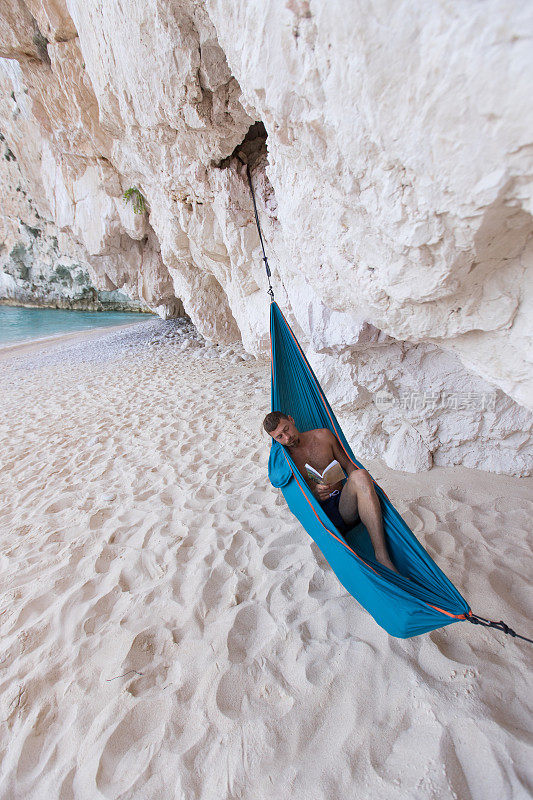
[[252, 150]]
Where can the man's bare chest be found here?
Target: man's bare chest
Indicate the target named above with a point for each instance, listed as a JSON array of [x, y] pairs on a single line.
[[316, 453]]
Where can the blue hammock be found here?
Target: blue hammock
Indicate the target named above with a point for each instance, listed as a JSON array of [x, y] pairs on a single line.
[[420, 598]]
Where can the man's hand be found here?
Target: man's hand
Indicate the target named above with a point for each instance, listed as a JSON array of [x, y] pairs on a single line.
[[322, 491]]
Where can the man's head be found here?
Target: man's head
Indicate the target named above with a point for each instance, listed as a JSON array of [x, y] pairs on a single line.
[[282, 428]]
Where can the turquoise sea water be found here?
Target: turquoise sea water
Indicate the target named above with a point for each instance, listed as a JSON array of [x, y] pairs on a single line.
[[19, 324]]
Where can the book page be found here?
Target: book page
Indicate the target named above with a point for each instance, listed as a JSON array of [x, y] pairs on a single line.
[[311, 471], [333, 473]]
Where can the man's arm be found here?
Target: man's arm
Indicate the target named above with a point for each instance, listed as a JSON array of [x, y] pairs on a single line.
[[338, 452]]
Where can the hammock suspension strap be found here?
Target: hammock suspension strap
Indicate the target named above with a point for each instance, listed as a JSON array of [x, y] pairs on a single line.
[[270, 290], [501, 626]]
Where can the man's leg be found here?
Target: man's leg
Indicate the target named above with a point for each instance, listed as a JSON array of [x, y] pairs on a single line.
[[359, 496]]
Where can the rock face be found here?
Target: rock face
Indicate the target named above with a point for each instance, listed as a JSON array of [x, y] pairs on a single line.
[[34, 272], [390, 149]]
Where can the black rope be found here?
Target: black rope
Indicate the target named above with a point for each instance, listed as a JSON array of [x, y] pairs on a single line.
[[501, 626], [270, 290]]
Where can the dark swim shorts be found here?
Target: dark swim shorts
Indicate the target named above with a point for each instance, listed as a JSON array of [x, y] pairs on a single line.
[[331, 507]]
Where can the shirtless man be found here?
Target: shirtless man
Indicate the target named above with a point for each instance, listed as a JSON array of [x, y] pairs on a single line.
[[344, 505]]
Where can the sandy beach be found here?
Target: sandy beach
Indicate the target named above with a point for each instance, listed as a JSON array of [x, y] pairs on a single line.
[[170, 631], [17, 349]]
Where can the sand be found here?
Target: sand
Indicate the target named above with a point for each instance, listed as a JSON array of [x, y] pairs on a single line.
[[169, 630]]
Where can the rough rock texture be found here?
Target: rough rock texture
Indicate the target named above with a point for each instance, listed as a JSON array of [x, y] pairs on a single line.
[[390, 147], [40, 265]]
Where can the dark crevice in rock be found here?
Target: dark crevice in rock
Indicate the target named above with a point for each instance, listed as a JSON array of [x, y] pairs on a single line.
[[252, 149], [254, 152], [41, 44]]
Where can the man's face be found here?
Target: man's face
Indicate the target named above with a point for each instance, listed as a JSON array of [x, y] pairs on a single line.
[[286, 433]]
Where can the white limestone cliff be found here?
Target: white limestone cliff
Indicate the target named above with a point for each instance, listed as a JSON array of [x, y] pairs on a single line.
[[390, 148]]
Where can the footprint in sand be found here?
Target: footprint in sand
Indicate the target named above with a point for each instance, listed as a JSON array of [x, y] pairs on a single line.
[[66, 501], [280, 558], [38, 740], [252, 692], [99, 518], [218, 587], [251, 631], [236, 552], [441, 543], [412, 518], [207, 493], [150, 494], [102, 612], [166, 497], [104, 559], [133, 741]]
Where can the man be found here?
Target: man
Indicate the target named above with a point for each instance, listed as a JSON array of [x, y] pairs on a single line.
[[344, 505]]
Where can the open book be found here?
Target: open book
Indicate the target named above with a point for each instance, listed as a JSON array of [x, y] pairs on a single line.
[[332, 474]]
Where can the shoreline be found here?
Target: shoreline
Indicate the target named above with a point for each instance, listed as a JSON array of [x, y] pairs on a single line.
[[31, 345], [93, 307]]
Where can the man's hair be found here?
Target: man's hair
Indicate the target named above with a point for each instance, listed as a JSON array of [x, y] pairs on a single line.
[[272, 420]]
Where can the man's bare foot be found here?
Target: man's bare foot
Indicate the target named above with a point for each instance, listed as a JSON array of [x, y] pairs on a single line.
[[384, 559]]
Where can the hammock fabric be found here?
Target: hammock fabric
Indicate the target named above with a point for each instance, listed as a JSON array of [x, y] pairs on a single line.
[[419, 599]]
